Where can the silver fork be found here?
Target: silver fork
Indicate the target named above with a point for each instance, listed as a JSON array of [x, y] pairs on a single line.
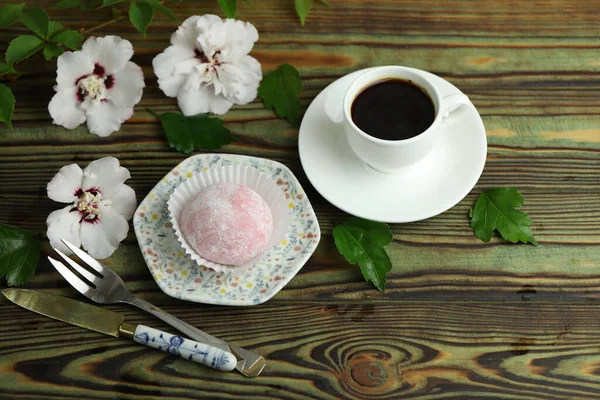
[[110, 288]]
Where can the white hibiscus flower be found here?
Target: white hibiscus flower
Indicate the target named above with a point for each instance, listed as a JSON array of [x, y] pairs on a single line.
[[100, 204], [208, 67], [98, 84]]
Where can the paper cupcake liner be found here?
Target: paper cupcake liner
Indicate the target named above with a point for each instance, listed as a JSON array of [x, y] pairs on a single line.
[[240, 174]]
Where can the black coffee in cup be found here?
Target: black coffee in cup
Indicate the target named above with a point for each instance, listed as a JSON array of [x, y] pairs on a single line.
[[393, 109]]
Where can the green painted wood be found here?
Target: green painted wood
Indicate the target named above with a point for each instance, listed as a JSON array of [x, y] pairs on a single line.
[[324, 350], [460, 318]]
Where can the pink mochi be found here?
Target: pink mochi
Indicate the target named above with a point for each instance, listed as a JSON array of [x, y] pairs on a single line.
[[227, 223]]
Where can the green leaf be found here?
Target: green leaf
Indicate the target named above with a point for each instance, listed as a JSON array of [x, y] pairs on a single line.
[[36, 19], [5, 68], [198, 131], [495, 210], [85, 5], [362, 241], [302, 9], [160, 7], [19, 254], [7, 106], [51, 50], [71, 39], [326, 3], [53, 28], [90, 5], [229, 7], [111, 2], [23, 47], [69, 4], [140, 16], [9, 14], [280, 89]]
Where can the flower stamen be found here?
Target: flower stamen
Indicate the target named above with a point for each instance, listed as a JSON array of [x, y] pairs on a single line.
[[92, 89], [88, 205], [213, 62]]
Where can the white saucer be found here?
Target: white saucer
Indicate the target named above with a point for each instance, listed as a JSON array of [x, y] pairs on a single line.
[[431, 187]]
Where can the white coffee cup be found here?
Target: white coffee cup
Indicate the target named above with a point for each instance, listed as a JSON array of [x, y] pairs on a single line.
[[393, 155]]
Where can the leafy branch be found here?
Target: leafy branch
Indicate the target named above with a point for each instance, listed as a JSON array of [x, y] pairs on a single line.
[[51, 38]]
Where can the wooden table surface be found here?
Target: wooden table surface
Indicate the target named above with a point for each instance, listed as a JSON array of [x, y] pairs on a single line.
[[460, 318]]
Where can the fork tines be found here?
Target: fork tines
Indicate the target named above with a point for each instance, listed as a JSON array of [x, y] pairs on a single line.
[[85, 257], [80, 284], [73, 279]]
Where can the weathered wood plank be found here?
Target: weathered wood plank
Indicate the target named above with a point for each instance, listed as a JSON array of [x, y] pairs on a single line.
[[439, 330], [327, 350], [421, 272], [509, 18]]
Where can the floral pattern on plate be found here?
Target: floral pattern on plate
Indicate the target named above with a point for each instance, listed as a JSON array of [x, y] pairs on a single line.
[[180, 277]]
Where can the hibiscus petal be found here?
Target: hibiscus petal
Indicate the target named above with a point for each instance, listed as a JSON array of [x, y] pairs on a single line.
[[164, 63], [253, 76], [251, 68], [234, 38], [230, 81], [172, 67], [106, 175], [124, 202], [240, 80], [211, 36], [127, 86], [187, 67], [202, 27], [110, 52], [105, 118], [71, 66], [65, 183], [102, 238], [243, 38], [64, 110], [63, 224], [186, 34], [205, 21], [170, 86], [202, 100]]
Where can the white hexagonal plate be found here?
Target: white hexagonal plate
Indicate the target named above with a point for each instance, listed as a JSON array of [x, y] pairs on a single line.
[[180, 277]]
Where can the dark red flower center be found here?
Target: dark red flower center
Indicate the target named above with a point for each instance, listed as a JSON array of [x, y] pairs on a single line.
[[101, 82], [204, 59], [87, 205]]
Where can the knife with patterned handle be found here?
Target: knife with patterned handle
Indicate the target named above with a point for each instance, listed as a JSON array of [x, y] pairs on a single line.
[[113, 324]]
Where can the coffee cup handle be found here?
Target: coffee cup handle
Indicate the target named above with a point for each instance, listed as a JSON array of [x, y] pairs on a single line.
[[453, 102]]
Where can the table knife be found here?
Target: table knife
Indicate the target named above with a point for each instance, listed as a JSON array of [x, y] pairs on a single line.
[[113, 324]]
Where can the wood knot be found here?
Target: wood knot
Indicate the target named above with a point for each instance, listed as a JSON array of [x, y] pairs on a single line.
[[370, 372]]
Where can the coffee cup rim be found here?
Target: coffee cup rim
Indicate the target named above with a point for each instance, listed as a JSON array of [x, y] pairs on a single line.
[[363, 82]]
